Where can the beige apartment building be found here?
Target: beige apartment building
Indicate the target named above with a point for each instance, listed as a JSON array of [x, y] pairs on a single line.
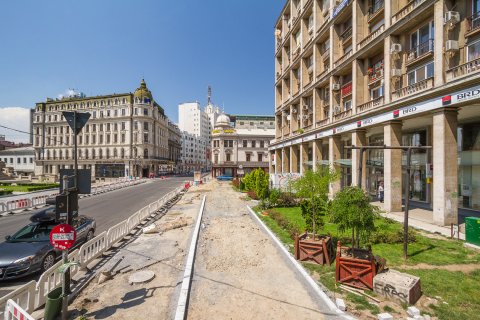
[[126, 135], [375, 73]]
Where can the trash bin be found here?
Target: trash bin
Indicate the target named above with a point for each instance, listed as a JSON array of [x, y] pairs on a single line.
[[53, 305]]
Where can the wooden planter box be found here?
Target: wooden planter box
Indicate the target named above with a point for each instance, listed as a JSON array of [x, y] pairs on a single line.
[[357, 271], [318, 251]]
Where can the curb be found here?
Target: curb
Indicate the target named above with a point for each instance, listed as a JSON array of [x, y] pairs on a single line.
[[181, 314], [313, 285]]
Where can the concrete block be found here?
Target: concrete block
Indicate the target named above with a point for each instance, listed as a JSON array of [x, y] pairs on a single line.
[[384, 316], [398, 287], [341, 304], [413, 311]]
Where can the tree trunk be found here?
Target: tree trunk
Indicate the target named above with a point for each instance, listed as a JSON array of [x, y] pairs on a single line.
[[353, 238], [313, 217]]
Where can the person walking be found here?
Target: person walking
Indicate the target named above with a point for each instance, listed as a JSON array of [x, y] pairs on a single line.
[[380, 192]]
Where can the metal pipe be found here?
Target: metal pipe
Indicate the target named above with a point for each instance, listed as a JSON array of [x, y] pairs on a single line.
[[407, 203]]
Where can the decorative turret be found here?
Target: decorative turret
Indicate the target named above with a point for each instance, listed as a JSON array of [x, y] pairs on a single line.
[[142, 92]]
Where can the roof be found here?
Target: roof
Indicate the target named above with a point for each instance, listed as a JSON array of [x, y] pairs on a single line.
[[256, 132], [18, 151]]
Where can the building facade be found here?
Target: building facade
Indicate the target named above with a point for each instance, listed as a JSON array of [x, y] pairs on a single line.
[[19, 161], [194, 153], [126, 135], [240, 144], [375, 73], [174, 147]]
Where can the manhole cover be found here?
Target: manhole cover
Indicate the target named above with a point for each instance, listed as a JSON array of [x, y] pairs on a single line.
[[141, 276]]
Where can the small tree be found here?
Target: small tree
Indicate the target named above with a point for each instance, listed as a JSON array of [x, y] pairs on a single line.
[[313, 187], [257, 181], [351, 209]]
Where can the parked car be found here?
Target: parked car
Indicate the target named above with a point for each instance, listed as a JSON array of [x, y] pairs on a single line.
[[225, 178], [29, 250]]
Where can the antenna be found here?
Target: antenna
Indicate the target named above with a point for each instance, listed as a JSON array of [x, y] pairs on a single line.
[[209, 96]]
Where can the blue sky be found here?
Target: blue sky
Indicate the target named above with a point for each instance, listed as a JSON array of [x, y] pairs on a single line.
[[102, 47]]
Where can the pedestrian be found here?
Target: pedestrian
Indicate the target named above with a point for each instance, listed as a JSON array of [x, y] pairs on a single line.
[[380, 192]]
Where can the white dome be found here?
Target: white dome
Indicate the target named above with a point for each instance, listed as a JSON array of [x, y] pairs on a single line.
[[223, 120]]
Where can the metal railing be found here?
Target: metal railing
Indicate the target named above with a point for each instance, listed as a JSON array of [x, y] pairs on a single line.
[[420, 50], [370, 37], [346, 34], [413, 88], [463, 69], [377, 6], [375, 75], [406, 10]]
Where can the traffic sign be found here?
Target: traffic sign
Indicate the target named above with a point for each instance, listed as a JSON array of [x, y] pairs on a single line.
[[63, 236], [76, 120]]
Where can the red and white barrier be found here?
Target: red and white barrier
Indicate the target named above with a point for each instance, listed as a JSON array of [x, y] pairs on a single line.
[[14, 312]]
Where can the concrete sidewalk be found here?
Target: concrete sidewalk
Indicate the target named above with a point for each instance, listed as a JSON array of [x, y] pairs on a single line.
[[422, 219]]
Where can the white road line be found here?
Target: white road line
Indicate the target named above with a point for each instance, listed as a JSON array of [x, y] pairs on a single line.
[[187, 276]]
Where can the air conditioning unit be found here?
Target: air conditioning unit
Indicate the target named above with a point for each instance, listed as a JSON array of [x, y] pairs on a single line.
[[336, 109], [396, 73], [336, 87], [451, 45], [289, 117], [305, 117], [305, 107], [452, 18], [396, 48], [294, 110]]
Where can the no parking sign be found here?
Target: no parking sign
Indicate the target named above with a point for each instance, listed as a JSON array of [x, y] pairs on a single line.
[[63, 236]]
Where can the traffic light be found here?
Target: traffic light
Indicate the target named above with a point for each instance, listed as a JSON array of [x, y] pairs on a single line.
[[61, 213]]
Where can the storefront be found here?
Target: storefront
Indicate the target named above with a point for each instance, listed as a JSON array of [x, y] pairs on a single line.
[[106, 170], [468, 136], [420, 183], [374, 164]]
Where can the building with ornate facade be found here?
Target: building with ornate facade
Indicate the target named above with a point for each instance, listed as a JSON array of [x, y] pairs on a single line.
[[240, 144], [174, 147], [126, 135], [375, 73]]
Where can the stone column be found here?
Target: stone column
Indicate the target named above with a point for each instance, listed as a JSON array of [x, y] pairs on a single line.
[[445, 167], [359, 139], [286, 160], [387, 67], [438, 56], [392, 166], [303, 157], [278, 161], [334, 153], [294, 159], [317, 154]]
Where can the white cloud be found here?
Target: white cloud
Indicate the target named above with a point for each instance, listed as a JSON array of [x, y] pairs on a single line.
[[16, 118]]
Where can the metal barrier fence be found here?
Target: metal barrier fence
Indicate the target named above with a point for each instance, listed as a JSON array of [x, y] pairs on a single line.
[[33, 294], [14, 312]]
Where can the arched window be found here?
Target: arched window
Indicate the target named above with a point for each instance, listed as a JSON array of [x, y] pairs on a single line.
[[100, 154], [60, 154], [122, 153], [86, 153], [135, 152], [79, 153], [107, 153], [48, 154], [115, 154], [145, 154], [93, 153]]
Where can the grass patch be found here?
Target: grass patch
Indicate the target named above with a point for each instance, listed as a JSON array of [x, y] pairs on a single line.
[[27, 187], [389, 309], [361, 303]]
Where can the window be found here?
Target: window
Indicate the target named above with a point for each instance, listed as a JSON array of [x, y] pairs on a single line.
[[18, 160], [421, 73], [248, 157], [376, 93], [262, 144], [145, 111], [145, 126], [145, 137], [94, 127], [473, 50], [260, 157], [31, 160], [347, 105], [228, 157], [421, 40], [108, 126], [135, 111], [253, 144], [115, 113], [24, 160], [115, 138], [100, 139], [108, 139], [94, 115], [101, 127], [123, 137], [244, 143], [115, 127], [123, 112], [216, 159]]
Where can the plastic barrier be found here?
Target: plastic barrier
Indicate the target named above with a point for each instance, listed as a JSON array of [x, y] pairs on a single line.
[[117, 232], [51, 279], [23, 296], [93, 249], [14, 312]]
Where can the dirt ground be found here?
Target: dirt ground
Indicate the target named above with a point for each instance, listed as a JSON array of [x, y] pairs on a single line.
[[239, 274], [164, 254]]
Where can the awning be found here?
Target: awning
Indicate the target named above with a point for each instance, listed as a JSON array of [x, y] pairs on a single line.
[[344, 162]]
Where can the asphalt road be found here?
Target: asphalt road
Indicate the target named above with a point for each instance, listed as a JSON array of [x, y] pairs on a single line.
[[108, 209]]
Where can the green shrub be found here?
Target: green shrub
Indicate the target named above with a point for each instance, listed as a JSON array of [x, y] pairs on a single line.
[[274, 196], [283, 222], [252, 195], [257, 181], [385, 236], [307, 213], [287, 199]]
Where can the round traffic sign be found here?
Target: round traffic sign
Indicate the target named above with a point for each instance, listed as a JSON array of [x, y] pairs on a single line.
[[63, 236]]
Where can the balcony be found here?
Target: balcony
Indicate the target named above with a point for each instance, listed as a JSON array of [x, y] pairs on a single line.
[[342, 115], [323, 122], [323, 73], [370, 37], [296, 52], [406, 10], [375, 75], [370, 105], [473, 23], [463, 69], [413, 88], [423, 50], [254, 164], [325, 53], [375, 9], [342, 5], [342, 59], [346, 35], [346, 89]]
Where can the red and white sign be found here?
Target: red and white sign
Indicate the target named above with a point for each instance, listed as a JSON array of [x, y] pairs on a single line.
[[63, 236]]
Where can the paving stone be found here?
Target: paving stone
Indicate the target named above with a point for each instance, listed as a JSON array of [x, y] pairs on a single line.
[[141, 276]]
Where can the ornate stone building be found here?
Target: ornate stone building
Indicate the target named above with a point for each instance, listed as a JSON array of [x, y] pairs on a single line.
[[126, 135], [174, 147], [241, 146]]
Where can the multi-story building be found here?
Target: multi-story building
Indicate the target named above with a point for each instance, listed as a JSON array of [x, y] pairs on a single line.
[[195, 121], [126, 135], [19, 161], [375, 73], [194, 153], [240, 144], [174, 147]]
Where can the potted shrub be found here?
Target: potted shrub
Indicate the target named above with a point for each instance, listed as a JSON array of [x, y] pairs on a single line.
[[351, 210], [312, 188]]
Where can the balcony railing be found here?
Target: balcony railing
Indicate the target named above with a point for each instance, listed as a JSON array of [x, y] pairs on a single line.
[[370, 37], [370, 105], [347, 89], [375, 8], [342, 59], [473, 22], [347, 34], [422, 49], [323, 122], [342, 115], [254, 163], [406, 10], [413, 88], [323, 73], [375, 74], [463, 69]]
